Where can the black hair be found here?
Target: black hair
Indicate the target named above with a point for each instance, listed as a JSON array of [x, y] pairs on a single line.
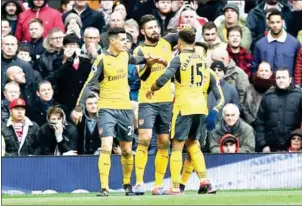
[[284, 69], [71, 38], [23, 48], [208, 26], [145, 19], [115, 31], [275, 12], [187, 35]]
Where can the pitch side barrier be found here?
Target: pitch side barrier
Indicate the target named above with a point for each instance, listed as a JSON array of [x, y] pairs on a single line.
[[47, 174]]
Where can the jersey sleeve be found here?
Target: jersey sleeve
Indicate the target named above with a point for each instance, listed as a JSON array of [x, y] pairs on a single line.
[[143, 70], [172, 39], [136, 59], [169, 73], [217, 91], [92, 80]]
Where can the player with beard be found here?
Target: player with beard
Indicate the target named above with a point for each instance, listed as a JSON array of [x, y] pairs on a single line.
[[155, 113], [10, 11]]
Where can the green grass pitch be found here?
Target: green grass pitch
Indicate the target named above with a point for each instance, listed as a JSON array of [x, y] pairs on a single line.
[[239, 197]]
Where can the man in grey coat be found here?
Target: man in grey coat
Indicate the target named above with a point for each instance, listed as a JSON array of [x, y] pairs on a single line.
[[231, 124], [234, 75]]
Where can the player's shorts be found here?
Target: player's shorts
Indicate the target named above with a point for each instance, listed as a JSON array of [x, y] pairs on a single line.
[[189, 126], [120, 121], [158, 115]]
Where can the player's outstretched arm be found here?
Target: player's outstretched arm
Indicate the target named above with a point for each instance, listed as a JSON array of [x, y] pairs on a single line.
[[217, 91], [165, 77]]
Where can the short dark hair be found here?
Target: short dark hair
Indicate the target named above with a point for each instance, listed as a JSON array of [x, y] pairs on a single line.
[[36, 20], [115, 31], [43, 82], [275, 12], [146, 18], [234, 28], [23, 48], [203, 45], [187, 35], [208, 26], [92, 95], [282, 69]]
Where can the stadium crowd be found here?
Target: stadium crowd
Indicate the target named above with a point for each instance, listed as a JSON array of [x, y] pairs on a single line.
[[254, 47]]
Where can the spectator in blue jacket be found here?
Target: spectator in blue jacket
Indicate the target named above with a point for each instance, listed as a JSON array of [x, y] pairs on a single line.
[[256, 19], [278, 48]]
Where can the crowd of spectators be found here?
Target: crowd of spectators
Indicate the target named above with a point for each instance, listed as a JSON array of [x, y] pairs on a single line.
[[48, 49]]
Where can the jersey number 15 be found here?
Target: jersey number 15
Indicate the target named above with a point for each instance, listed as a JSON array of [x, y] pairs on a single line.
[[195, 71]]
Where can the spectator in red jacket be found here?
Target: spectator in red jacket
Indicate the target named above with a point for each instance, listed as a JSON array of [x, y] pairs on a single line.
[[38, 9], [298, 69], [240, 55]]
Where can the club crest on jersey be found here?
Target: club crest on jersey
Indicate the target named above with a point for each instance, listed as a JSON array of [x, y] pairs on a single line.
[[141, 122]]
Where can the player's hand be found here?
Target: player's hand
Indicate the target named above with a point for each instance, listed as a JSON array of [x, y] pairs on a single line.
[[76, 116], [266, 149], [149, 94]]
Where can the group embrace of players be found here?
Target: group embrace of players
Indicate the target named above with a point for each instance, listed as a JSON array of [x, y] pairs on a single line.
[[186, 114]]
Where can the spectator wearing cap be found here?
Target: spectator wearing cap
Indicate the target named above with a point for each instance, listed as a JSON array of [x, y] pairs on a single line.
[[279, 113], [10, 11], [278, 48], [10, 93], [260, 83], [295, 141], [256, 19], [19, 132], [52, 44], [89, 139], [57, 136], [229, 91], [36, 30], [89, 17], [231, 13], [73, 24], [70, 77], [242, 13], [232, 124], [50, 17], [229, 144], [16, 74], [240, 55], [91, 47]]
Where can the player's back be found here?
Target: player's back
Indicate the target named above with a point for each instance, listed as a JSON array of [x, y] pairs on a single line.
[[190, 81], [163, 50]]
